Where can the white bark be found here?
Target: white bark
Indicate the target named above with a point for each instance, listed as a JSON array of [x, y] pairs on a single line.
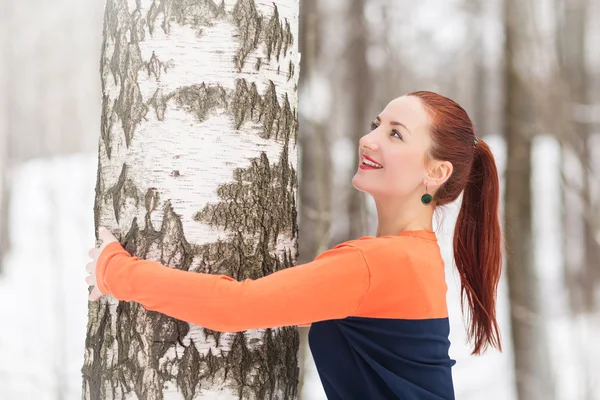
[[199, 108]]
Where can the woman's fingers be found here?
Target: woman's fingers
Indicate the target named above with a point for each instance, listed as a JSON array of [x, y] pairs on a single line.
[[94, 252], [90, 280], [90, 267], [106, 236]]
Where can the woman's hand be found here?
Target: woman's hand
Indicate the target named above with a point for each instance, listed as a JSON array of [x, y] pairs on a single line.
[[106, 237]]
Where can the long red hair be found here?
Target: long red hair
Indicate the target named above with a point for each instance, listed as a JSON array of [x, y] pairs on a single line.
[[477, 235]]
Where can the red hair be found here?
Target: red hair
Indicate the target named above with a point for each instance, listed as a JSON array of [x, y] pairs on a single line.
[[477, 235]]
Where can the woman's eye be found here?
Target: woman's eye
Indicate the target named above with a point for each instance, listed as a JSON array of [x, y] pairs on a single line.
[[373, 126], [395, 132]]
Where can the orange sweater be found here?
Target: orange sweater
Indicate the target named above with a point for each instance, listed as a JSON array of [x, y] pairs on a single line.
[[292, 296], [376, 306], [370, 277]]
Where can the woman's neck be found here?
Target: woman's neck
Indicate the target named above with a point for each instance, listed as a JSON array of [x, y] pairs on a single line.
[[406, 216]]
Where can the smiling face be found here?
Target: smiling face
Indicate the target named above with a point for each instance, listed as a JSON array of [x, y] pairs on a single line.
[[399, 141]]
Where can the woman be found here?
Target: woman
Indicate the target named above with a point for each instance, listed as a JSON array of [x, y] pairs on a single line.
[[376, 305]]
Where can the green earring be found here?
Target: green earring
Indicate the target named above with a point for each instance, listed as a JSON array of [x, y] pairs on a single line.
[[426, 198]]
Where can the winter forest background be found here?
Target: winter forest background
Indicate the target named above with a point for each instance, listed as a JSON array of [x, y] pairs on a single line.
[[525, 70]]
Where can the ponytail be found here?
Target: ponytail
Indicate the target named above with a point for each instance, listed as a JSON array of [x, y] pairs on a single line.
[[477, 237], [477, 249]]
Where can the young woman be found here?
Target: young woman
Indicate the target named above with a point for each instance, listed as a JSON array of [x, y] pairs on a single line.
[[376, 305]]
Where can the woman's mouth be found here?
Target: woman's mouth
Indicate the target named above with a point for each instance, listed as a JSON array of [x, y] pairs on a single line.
[[365, 166], [368, 163]]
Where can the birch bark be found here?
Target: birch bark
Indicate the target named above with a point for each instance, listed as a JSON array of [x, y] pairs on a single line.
[[196, 170]]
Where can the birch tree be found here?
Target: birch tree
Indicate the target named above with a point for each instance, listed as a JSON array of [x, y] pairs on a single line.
[[532, 366], [572, 33], [582, 250], [315, 168], [196, 170], [359, 85]]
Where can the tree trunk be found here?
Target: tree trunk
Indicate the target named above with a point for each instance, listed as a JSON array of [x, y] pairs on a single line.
[[196, 170], [578, 81], [532, 371], [315, 193], [359, 88], [4, 195], [315, 170], [47, 114], [581, 277]]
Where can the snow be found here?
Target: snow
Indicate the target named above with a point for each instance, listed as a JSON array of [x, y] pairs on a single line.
[[43, 296]]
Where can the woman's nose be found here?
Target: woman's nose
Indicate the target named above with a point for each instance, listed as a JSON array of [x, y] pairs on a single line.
[[368, 142]]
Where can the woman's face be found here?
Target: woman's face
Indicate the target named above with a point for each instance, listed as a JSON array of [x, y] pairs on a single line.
[[398, 141]]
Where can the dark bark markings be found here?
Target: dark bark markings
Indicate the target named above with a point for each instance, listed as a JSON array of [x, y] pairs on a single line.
[[258, 205], [125, 31], [196, 13], [266, 192], [276, 37]]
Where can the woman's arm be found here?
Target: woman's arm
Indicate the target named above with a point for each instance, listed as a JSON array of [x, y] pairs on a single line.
[[330, 287]]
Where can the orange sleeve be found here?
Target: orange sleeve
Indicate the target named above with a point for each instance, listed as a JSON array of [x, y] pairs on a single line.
[[330, 287]]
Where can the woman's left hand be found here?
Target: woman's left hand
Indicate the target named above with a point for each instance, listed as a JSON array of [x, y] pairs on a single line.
[[107, 237]]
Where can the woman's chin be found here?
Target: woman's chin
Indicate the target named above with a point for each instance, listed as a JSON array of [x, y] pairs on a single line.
[[359, 183], [376, 191]]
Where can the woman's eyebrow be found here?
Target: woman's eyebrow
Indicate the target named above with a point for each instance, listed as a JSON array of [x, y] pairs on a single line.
[[395, 123]]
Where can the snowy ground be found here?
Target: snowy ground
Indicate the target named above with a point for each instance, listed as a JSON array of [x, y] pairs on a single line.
[[43, 297]]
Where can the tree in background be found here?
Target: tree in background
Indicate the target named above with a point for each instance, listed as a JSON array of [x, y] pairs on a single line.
[[531, 359], [315, 182], [196, 170], [44, 104], [576, 137], [315, 165], [359, 92], [580, 214], [4, 194]]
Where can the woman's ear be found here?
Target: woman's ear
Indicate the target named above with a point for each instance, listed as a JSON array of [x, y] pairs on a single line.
[[440, 173]]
